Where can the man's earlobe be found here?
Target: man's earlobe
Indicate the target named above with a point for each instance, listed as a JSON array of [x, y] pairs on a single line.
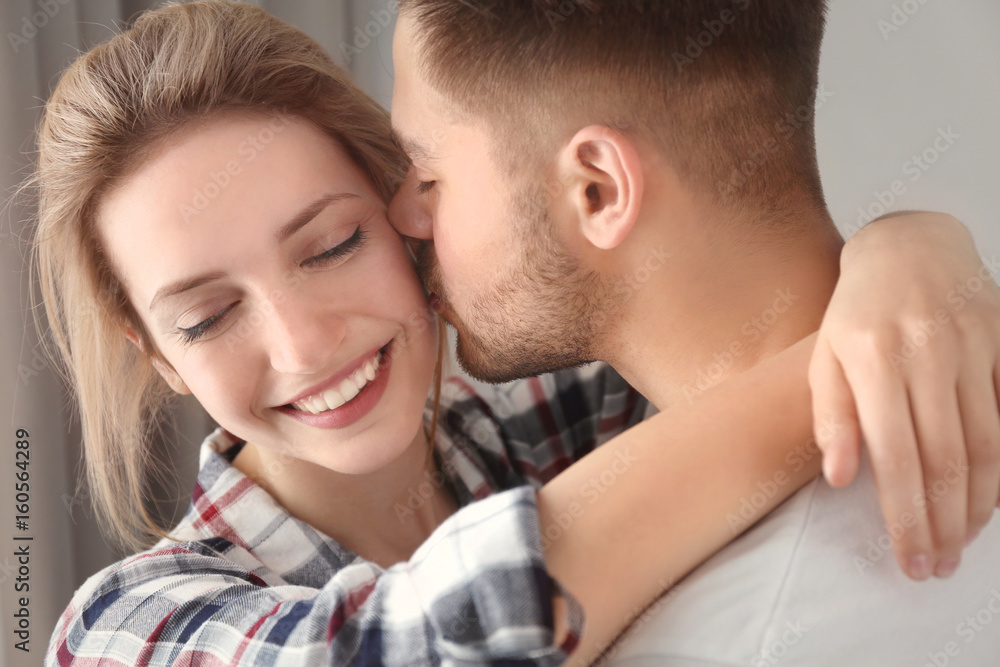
[[164, 369], [604, 179]]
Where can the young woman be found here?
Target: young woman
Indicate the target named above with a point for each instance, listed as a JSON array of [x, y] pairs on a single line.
[[212, 221]]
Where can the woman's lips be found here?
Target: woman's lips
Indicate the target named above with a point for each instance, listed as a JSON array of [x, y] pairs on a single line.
[[343, 391], [355, 408]]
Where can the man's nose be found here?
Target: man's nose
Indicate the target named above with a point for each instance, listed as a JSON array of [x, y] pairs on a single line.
[[407, 213]]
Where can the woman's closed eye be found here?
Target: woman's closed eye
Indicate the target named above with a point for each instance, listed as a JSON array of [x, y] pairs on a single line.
[[327, 258], [423, 187], [191, 334], [338, 252]]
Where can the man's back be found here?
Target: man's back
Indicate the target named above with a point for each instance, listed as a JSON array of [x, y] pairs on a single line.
[[816, 583]]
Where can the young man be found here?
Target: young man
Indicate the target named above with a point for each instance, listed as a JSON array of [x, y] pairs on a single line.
[[586, 186]]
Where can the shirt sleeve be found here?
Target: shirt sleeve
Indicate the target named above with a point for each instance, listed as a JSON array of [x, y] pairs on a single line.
[[531, 430], [475, 593]]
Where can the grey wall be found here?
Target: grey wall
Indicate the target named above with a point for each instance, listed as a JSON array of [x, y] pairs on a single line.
[[900, 72]]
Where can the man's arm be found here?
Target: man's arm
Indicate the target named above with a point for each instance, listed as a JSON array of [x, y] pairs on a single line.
[[907, 360]]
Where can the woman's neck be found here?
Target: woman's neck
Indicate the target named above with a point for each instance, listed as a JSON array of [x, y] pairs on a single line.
[[382, 516]]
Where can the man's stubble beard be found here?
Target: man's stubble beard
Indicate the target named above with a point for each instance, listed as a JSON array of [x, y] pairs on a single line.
[[542, 314]]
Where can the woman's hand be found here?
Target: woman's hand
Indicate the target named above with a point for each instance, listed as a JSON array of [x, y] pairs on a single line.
[[907, 359]]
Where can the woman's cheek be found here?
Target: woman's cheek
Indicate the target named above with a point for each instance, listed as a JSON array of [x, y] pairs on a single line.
[[403, 286]]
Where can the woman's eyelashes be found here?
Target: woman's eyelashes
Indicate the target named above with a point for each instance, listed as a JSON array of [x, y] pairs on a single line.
[[327, 258], [423, 187], [191, 334], [338, 252]]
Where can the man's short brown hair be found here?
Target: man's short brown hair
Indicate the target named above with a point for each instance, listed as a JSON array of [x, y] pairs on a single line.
[[725, 88]]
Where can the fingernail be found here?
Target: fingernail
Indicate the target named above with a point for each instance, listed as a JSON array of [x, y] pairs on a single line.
[[920, 567], [973, 534], [946, 568]]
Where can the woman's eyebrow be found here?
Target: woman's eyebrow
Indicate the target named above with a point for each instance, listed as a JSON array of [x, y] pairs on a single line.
[[175, 288], [301, 219], [309, 212]]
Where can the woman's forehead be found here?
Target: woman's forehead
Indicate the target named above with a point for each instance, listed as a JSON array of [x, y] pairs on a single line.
[[226, 188]]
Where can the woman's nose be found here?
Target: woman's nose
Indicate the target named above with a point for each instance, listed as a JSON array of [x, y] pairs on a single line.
[[407, 213], [303, 335]]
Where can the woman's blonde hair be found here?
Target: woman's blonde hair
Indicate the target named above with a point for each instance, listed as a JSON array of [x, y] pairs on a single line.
[[111, 110]]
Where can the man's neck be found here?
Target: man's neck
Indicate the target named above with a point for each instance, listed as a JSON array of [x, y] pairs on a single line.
[[719, 305]]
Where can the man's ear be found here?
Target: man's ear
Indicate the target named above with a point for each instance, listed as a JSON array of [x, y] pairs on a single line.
[[602, 178], [165, 370]]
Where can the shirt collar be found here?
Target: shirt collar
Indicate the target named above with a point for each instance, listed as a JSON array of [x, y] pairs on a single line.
[[227, 503]]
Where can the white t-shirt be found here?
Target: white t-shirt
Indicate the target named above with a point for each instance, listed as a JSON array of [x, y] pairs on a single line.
[[816, 583]]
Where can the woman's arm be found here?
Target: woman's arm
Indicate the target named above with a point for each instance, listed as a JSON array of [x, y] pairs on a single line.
[[653, 503], [635, 515], [476, 591]]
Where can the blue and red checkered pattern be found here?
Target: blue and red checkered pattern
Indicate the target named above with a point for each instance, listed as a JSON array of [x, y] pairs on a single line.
[[252, 585]]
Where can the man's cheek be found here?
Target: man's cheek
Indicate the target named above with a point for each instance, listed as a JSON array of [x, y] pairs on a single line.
[[447, 277], [449, 262]]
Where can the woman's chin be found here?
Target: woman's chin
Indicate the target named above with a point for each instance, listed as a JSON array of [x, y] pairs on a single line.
[[376, 452]]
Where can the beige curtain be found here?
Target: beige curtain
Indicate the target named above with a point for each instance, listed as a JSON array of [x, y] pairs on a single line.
[[40, 37]]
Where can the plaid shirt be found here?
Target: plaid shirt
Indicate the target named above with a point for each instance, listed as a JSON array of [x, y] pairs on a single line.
[[252, 585]]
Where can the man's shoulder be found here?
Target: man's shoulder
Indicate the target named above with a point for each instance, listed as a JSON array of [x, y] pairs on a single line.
[[817, 580]]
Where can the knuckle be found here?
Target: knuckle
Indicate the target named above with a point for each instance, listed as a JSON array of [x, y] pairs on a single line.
[[891, 462], [865, 340], [935, 470], [945, 474], [971, 324], [949, 534], [875, 342], [984, 450]]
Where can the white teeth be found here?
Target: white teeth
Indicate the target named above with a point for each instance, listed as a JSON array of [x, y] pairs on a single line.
[[316, 404], [349, 387], [330, 399]]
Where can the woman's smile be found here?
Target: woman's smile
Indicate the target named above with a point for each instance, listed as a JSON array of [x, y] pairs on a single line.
[[346, 400]]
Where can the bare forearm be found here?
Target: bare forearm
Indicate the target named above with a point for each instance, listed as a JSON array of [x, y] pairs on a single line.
[[638, 513]]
